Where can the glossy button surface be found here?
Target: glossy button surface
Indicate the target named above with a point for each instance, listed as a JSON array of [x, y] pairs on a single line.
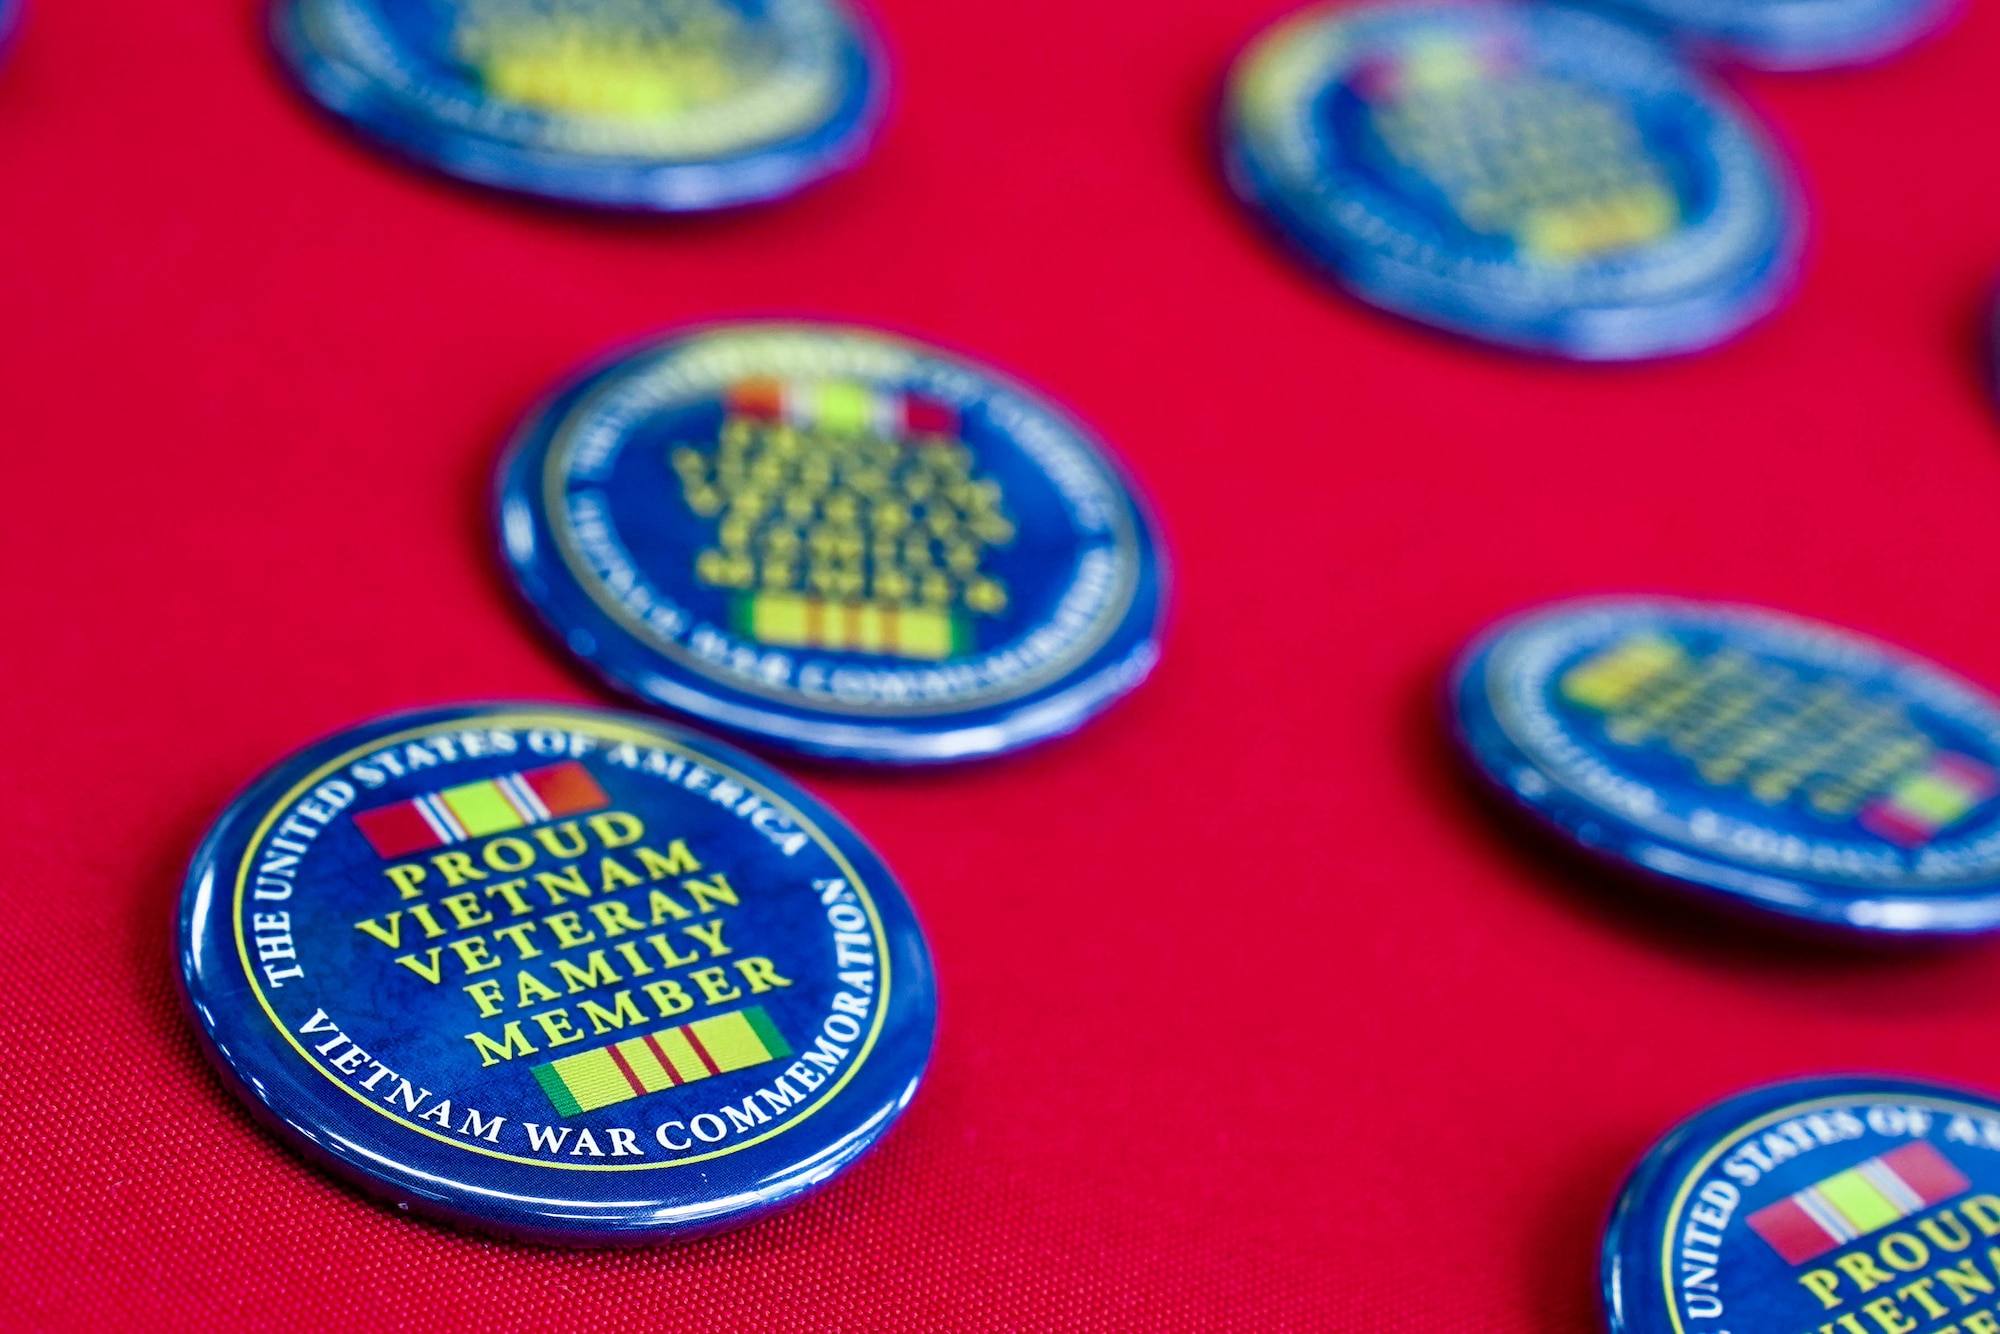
[[1749, 756], [565, 975], [1795, 34], [835, 541], [1849, 1205], [1532, 175], [662, 105]]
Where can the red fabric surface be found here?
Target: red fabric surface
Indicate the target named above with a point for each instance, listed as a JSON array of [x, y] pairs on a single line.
[[1254, 1019]]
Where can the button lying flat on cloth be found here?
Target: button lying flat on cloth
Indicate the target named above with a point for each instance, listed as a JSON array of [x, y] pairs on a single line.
[[1794, 34], [565, 975], [667, 105], [833, 541], [1530, 175], [1853, 1204], [1751, 757]]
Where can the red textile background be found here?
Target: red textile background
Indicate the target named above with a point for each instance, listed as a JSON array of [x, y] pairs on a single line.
[[1254, 1019]]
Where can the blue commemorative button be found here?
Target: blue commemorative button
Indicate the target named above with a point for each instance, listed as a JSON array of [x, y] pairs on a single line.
[[564, 975], [1754, 758], [1845, 1205], [658, 105], [833, 541], [1794, 34], [1531, 175]]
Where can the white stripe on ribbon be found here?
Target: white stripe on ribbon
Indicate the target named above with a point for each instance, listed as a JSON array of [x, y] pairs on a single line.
[[1883, 1177], [1821, 1210], [522, 798], [795, 405], [891, 421], [439, 817]]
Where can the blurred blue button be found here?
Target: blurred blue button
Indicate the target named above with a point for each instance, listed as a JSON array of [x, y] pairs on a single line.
[[1753, 758], [1794, 34], [670, 106], [1531, 175], [10, 22], [833, 541]]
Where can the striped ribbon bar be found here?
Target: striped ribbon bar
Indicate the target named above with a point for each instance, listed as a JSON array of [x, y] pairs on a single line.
[[1926, 803], [797, 620], [840, 407], [473, 810], [660, 1061], [1439, 66], [1861, 1200]]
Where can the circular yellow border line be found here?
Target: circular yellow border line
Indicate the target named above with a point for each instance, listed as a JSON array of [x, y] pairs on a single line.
[[555, 493], [1737, 1136], [620, 732]]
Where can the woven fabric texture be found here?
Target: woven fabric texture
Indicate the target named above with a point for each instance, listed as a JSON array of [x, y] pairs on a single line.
[[1254, 1019]]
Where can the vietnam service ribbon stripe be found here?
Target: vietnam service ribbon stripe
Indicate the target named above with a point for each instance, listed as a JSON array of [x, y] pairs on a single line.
[[655, 1062], [842, 407], [1863, 1199], [1924, 804], [473, 810]]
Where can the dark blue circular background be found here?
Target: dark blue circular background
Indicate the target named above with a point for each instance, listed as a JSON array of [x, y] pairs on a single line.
[[337, 1132], [1763, 1295], [1677, 115], [1035, 573], [612, 182], [1819, 901], [1674, 135], [642, 473]]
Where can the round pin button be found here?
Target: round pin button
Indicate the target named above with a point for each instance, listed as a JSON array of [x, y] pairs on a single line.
[[1536, 176], [1850, 1205], [560, 974], [1795, 34], [662, 105], [1749, 757], [834, 541]]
